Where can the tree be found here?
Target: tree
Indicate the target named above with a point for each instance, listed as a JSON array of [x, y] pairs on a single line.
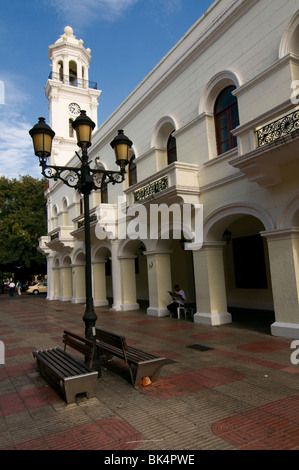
[[23, 219]]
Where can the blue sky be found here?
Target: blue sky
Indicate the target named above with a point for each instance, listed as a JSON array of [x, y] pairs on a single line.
[[127, 36]]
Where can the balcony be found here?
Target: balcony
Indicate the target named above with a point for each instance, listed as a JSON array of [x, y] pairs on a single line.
[[73, 81], [268, 147], [60, 239], [79, 223], [178, 182]]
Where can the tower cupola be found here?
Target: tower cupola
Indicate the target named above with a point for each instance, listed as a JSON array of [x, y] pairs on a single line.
[[69, 90]]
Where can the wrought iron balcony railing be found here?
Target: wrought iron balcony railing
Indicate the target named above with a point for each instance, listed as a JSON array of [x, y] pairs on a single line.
[[73, 81], [277, 129]]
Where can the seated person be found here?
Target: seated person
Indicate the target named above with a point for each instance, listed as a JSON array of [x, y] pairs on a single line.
[[178, 297]]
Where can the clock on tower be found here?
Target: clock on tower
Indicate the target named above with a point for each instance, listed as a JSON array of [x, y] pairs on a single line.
[[74, 109]]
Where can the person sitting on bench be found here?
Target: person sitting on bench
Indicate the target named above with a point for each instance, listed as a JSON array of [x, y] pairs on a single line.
[[178, 299]]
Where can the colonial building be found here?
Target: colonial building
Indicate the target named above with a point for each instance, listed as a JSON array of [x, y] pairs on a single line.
[[214, 127]]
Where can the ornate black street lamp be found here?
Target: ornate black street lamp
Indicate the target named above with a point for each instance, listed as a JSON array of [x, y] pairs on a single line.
[[84, 179]]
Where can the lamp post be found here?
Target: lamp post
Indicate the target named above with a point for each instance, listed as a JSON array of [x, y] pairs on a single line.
[[84, 179]]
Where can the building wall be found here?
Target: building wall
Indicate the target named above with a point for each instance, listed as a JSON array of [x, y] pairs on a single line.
[[249, 190]]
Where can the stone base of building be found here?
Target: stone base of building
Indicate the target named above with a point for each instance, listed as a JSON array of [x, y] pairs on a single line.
[[78, 300], [157, 312], [100, 303], [212, 319], [124, 307], [287, 330]]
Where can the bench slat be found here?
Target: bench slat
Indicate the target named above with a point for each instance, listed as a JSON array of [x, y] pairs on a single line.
[[77, 366], [112, 339], [60, 362]]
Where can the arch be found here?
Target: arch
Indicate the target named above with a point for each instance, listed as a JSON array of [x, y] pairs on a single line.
[[54, 218], [79, 257], [290, 39], [289, 215], [163, 129], [217, 221], [214, 87], [55, 210], [132, 171], [100, 251], [129, 246], [171, 149], [60, 70], [73, 73], [64, 204], [66, 261]]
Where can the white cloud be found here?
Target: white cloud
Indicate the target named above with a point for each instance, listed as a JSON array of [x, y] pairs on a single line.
[[83, 12], [16, 151]]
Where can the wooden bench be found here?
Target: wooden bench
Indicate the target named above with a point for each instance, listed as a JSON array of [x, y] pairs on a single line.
[[63, 370], [141, 364]]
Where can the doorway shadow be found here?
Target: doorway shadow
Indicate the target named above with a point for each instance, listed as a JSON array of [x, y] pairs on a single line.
[[251, 319]]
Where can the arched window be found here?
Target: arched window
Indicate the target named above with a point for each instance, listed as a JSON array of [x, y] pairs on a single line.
[[226, 119], [72, 73], [60, 70], [71, 129], [132, 171], [171, 149], [104, 194]]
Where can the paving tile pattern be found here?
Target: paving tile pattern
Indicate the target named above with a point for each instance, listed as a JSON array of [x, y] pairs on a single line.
[[236, 390]]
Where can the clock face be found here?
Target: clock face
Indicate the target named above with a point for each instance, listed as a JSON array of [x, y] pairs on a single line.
[[74, 109]]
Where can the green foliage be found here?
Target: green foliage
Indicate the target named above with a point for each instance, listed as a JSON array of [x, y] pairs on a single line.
[[23, 219]]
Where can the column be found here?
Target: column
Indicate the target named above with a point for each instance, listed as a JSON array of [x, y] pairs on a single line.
[[79, 296], [159, 281], [50, 277], [283, 246], [56, 283], [99, 283], [65, 283], [116, 276], [210, 286], [128, 284]]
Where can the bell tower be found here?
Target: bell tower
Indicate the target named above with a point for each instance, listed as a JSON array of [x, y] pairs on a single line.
[[69, 90]]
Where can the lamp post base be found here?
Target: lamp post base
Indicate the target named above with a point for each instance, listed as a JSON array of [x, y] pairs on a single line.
[[90, 319]]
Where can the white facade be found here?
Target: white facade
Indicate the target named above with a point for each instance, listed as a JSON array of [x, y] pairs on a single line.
[[242, 51]]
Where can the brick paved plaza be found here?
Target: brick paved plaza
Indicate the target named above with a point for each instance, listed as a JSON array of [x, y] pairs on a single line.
[[222, 388]]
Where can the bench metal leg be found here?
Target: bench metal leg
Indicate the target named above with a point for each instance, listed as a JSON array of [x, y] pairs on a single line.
[[71, 386], [151, 370]]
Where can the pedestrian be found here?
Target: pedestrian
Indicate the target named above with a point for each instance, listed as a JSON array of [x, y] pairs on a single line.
[[178, 297], [19, 286], [11, 288]]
